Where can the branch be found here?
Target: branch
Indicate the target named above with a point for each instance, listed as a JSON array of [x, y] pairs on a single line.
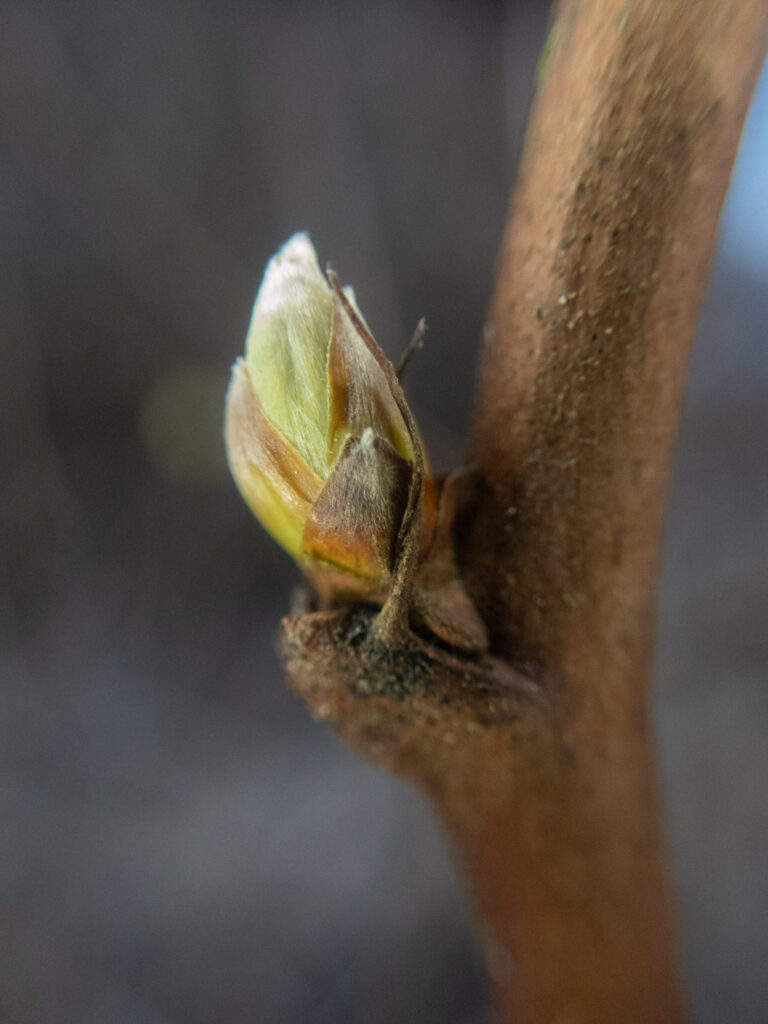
[[601, 275], [602, 272]]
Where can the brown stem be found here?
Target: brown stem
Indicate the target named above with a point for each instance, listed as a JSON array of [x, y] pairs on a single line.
[[544, 776], [601, 276]]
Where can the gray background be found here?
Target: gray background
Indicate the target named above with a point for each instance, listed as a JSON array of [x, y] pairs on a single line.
[[178, 842]]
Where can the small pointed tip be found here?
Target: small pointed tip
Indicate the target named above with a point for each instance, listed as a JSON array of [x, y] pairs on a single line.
[[298, 243], [296, 256], [333, 278], [292, 273]]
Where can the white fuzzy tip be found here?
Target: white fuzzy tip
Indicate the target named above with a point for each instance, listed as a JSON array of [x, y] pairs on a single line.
[[292, 268]]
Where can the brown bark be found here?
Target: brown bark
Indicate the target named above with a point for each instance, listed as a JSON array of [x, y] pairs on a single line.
[[543, 774], [602, 272]]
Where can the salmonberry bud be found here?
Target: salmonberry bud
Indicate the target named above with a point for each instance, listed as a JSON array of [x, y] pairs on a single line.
[[316, 441], [326, 453]]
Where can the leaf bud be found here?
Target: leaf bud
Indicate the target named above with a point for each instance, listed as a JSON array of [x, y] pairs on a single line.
[[327, 455], [316, 441]]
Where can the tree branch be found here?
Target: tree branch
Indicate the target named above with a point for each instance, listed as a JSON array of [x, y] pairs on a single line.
[[602, 272]]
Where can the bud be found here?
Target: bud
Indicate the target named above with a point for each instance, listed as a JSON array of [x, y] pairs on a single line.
[[327, 455], [316, 442]]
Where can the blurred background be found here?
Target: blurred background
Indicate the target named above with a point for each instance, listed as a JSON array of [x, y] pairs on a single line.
[[179, 844]]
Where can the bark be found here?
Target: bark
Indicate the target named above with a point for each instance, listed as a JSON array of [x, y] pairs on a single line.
[[539, 758]]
